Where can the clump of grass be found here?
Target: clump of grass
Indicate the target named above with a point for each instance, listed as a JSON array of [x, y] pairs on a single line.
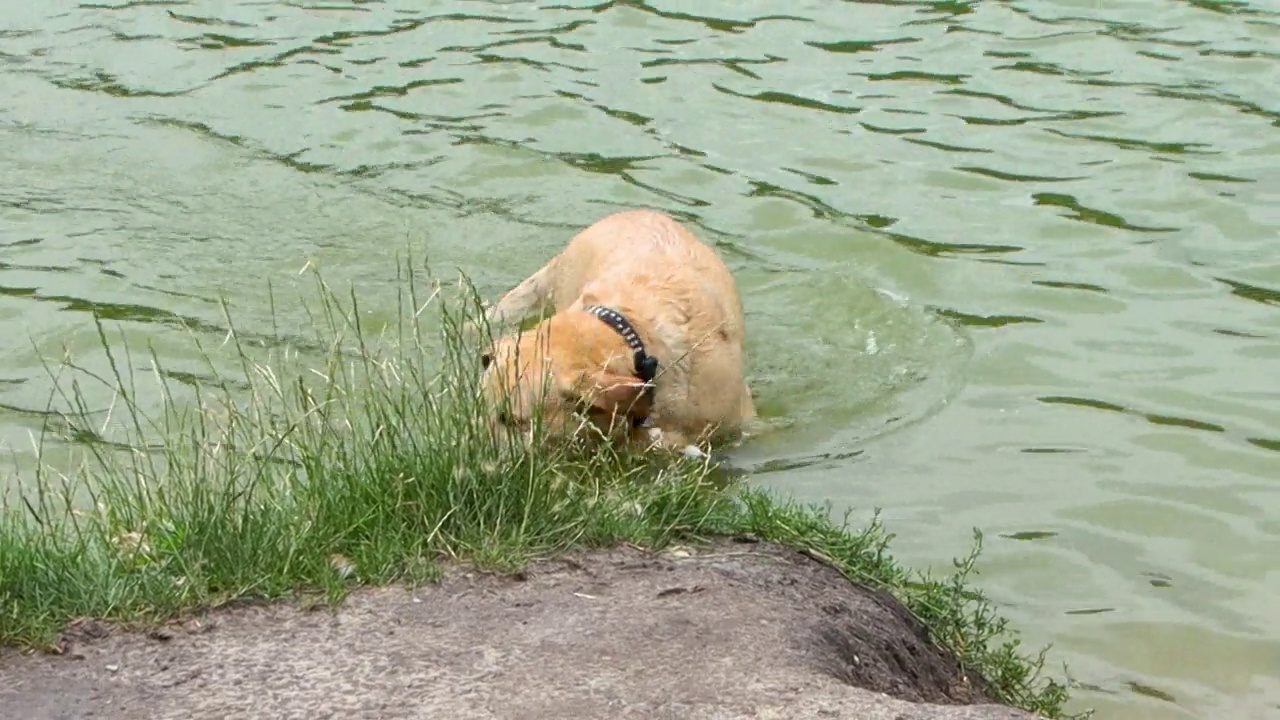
[[374, 465], [369, 461]]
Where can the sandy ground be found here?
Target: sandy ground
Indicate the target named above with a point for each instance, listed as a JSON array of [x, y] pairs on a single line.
[[736, 630]]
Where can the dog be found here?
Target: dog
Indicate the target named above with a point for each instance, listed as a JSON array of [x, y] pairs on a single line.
[[645, 341]]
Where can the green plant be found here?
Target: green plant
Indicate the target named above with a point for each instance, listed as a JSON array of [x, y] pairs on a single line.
[[365, 457]]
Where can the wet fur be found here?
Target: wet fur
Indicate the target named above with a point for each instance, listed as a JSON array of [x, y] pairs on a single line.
[[681, 299]]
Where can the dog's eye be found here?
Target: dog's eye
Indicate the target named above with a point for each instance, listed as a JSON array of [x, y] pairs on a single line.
[[486, 360], [504, 417]]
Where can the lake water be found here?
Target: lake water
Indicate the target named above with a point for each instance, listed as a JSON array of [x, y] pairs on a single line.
[[1007, 265]]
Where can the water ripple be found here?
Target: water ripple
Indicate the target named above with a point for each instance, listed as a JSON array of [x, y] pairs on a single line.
[[1008, 265]]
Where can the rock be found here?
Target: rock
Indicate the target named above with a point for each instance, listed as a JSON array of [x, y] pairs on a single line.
[[735, 630]]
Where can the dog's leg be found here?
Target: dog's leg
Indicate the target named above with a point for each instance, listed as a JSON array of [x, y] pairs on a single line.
[[533, 294], [748, 409]]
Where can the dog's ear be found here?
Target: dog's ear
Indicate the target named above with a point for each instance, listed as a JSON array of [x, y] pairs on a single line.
[[617, 395]]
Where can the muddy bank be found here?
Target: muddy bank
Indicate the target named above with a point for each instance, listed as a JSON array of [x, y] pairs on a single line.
[[734, 630]]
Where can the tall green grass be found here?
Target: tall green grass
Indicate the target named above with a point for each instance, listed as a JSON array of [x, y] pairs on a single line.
[[367, 460]]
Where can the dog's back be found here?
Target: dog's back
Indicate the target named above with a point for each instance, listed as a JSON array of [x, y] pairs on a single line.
[[638, 251], [679, 296]]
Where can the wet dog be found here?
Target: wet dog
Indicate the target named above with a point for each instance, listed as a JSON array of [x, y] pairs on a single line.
[[644, 343]]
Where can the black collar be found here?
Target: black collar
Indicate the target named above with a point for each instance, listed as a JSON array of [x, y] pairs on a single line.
[[646, 366]]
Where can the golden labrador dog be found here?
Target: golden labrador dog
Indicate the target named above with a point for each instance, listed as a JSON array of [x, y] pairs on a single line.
[[645, 341]]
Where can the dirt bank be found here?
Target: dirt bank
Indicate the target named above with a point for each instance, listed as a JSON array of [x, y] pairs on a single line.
[[735, 630]]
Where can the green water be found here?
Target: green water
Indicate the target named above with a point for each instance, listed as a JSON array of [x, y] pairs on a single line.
[[1012, 265]]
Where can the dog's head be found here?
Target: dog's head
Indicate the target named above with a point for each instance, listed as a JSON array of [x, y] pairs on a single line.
[[568, 374]]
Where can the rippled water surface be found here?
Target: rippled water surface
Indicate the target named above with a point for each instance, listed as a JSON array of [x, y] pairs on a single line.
[[1008, 265]]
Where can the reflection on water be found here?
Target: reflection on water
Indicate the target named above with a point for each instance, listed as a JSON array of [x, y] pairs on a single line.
[[1008, 265]]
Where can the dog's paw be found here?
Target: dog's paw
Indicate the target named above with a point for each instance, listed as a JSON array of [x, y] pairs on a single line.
[[674, 442], [692, 451]]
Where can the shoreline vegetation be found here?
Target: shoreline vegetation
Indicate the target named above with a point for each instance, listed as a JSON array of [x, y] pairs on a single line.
[[363, 459]]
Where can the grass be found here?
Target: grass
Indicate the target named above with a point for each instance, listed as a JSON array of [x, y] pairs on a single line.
[[366, 461]]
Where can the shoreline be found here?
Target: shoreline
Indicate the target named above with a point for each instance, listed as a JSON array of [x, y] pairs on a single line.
[[731, 628]]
